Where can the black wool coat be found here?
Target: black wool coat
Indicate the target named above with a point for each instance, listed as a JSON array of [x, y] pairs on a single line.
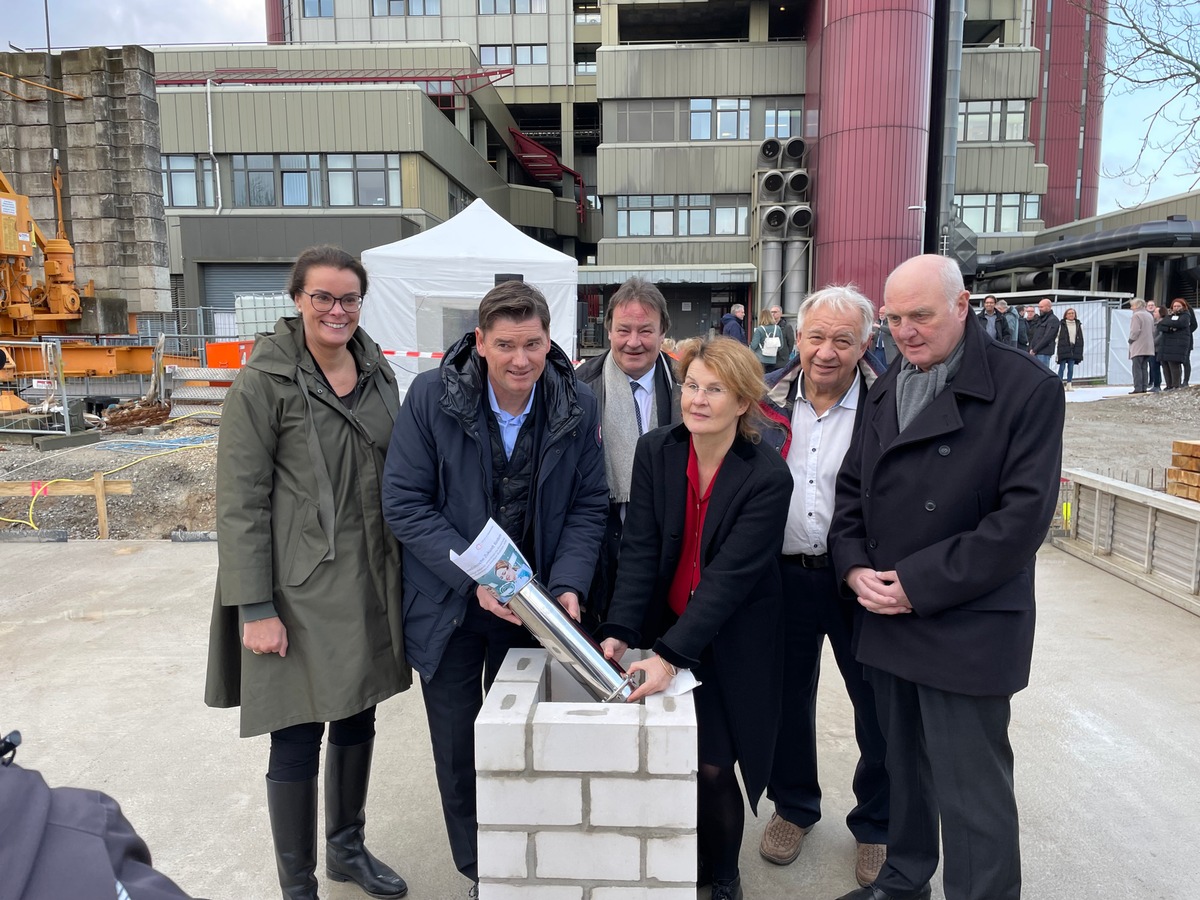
[[958, 505], [1068, 349], [737, 608]]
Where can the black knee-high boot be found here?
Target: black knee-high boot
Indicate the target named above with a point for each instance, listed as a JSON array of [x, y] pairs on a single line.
[[293, 809], [347, 774]]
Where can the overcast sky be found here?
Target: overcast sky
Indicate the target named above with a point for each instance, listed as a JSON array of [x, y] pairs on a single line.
[[76, 23]]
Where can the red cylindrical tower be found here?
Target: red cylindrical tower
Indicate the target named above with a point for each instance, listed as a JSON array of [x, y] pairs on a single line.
[[1066, 119], [275, 33], [872, 110]]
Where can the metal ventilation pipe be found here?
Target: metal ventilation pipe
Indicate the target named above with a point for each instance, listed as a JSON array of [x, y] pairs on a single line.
[[795, 275], [772, 274], [954, 47], [1035, 280]]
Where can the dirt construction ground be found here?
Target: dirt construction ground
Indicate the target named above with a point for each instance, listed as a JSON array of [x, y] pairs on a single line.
[[1107, 431]]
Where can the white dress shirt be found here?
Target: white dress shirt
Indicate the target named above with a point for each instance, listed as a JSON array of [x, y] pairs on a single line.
[[818, 446], [645, 398]]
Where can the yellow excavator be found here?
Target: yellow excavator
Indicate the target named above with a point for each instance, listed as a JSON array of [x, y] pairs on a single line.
[[54, 305]]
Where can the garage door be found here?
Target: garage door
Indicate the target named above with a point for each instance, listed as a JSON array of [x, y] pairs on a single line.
[[223, 282]]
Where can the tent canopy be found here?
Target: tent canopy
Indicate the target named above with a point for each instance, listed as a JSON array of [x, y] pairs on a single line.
[[425, 290]]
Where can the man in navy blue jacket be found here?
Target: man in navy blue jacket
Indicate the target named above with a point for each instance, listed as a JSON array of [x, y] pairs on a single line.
[[503, 430]]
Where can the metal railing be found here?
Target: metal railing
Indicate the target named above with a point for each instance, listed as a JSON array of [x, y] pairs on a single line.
[[37, 401], [1146, 537]]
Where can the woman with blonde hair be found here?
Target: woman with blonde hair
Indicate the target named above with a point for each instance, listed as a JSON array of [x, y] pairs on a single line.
[[698, 583], [767, 341]]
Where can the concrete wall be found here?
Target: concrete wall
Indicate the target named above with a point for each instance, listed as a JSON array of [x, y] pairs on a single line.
[[579, 800], [108, 145]]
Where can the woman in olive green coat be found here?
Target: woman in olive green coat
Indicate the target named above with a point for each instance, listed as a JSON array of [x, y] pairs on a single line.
[[306, 627]]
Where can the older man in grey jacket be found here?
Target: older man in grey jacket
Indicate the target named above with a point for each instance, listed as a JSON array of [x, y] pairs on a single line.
[[1141, 345]]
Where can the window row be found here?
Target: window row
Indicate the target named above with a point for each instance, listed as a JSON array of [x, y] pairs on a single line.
[[705, 119], [323, 9], [286, 179], [506, 54], [506, 7], [992, 213], [684, 215], [992, 120]]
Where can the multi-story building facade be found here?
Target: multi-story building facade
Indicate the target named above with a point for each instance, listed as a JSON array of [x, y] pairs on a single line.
[[630, 134]]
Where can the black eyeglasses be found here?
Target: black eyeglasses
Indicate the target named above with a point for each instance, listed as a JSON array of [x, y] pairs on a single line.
[[323, 301]]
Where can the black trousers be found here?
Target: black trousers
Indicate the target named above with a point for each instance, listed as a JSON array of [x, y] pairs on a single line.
[[949, 758], [453, 697], [814, 610]]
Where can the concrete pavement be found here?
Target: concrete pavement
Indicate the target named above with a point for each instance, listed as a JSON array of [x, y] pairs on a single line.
[[102, 653]]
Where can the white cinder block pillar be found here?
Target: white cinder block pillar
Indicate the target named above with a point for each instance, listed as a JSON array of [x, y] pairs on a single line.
[[580, 800]]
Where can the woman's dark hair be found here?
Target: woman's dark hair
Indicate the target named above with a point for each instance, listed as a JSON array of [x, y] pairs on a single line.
[[513, 300], [330, 257]]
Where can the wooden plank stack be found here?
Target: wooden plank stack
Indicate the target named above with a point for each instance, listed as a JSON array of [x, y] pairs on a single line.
[[1183, 478]]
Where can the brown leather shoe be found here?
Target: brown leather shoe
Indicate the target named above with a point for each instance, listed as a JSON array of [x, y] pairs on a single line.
[[781, 841], [869, 859]]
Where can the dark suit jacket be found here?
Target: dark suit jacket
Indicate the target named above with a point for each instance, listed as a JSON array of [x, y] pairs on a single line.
[[958, 505], [667, 401], [737, 607]]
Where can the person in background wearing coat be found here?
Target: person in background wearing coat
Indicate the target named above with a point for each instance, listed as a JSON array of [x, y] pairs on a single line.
[[814, 406], [1187, 360], [644, 395], [1025, 322], [731, 323], [306, 627], [994, 321], [1155, 365], [1141, 344], [1043, 332], [1175, 328], [698, 582], [1013, 318], [789, 333], [767, 336], [883, 343], [501, 430], [1070, 346], [948, 585]]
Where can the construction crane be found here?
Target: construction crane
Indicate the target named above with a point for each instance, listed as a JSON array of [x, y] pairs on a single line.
[[56, 306], [28, 308]]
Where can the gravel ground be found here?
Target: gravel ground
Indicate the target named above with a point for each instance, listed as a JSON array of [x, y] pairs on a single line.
[[1122, 436], [173, 488]]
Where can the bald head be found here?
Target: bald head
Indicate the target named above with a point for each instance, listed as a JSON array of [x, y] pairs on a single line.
[[927, 308]]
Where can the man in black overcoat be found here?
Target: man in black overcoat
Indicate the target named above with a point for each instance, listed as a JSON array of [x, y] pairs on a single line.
[[945, 496]]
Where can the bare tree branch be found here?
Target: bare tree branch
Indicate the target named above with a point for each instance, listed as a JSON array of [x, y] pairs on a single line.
[[1153, 47]]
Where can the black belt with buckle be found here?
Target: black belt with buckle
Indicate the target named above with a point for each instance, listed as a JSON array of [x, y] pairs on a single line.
[[805, 561]]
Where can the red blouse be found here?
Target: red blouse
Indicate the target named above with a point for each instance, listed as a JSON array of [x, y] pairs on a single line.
[[687, 573]]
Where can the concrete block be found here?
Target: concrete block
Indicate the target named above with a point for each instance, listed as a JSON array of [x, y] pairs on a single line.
[[671, 735], [527, 666], [62, 441], [672, 858], [489, 891], [502, 854], [643, 893], [650, 803], [596, 857], [141, 108], [501, 728], [586, 737], [529, 801]]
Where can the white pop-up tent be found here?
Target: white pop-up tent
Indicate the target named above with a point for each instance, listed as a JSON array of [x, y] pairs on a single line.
[[424, 291]]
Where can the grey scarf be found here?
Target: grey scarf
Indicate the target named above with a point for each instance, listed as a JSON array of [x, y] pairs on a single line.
[[620, 429], [915, 389]]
